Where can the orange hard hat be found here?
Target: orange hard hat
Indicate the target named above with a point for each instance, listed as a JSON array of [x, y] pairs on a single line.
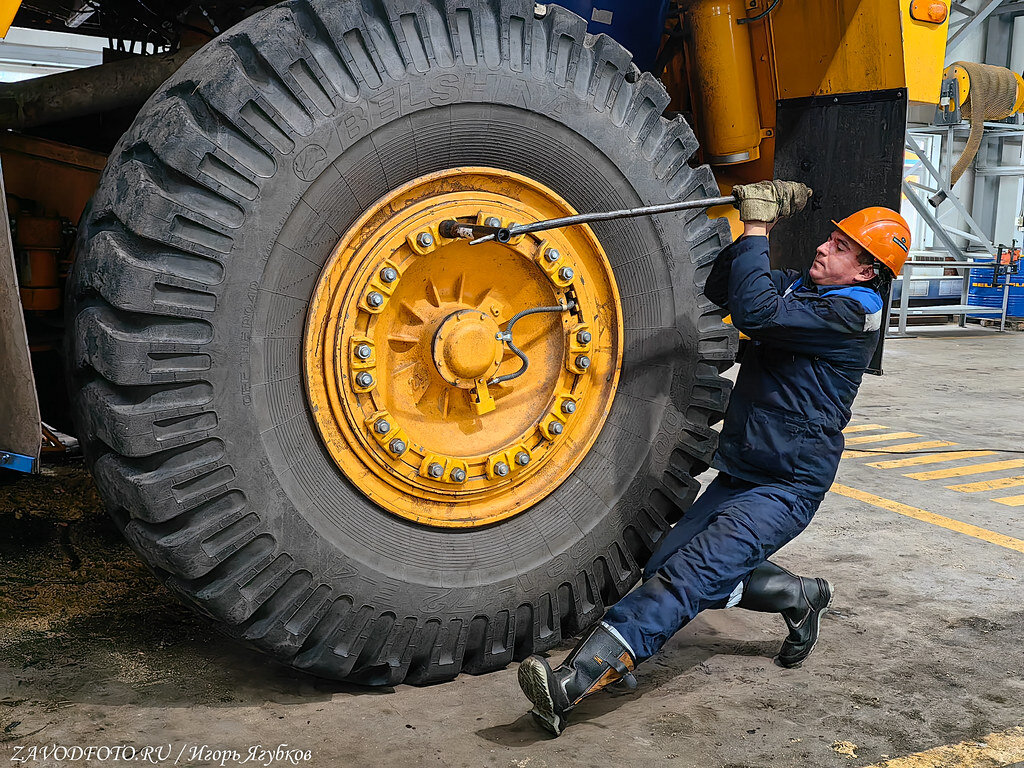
[[881, 232]]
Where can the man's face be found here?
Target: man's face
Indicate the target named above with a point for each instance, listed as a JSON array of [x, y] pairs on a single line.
[[836, 262]]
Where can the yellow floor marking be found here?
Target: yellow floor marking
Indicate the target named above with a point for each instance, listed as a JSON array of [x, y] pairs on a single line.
[[970, 469], [863, 428], [898, 448], [879, 438], [1012, 501], [933, 458], [997, 749], [930, 517], [988, 485]]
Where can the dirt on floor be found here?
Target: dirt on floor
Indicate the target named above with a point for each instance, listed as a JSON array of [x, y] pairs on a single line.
[[95, 652], [922, 649]]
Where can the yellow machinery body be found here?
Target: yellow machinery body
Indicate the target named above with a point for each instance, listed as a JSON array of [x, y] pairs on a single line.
[[743, 56], [38, 243], [8, 10], [721, 62]]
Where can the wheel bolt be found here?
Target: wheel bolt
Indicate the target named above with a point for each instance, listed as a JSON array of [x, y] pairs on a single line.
[[492, 221], [389, 274], [552, 255], [501, 469], [435, 470], [374, 299], [568, 407], [458, 475], [362, 351], [582, 361], [555, 427], [565, 273], [425, 239], [397, 447], [382, 427], [584, 337], [364, 379], [522, 458]]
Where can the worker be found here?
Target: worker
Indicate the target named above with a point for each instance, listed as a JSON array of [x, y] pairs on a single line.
[[812, 337]]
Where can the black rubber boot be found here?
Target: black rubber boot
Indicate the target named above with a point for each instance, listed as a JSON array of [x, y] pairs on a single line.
[[802, 602], [599, 659]]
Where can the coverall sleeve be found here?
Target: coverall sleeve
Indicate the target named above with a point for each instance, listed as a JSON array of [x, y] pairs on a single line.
[[717, 286], [809, 325]]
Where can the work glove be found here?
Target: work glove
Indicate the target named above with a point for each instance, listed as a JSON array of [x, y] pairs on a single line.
[[770, 200], [792, 195]]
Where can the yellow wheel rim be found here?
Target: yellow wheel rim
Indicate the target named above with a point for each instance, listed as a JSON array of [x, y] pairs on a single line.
[[403, 344]]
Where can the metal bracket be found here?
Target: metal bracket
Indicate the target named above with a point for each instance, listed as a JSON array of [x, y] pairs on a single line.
[[950, 90]]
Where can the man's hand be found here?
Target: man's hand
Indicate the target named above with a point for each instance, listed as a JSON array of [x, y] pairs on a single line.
[[792, 195], [766, 201]]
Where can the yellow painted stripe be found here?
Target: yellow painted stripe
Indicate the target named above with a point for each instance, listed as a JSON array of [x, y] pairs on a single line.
[[988, 485], [898, 448], [863, 428], [997, 749], [933, 458], [880, 438], [1012, 501], [918, 446], [970, 469], [930, 517]]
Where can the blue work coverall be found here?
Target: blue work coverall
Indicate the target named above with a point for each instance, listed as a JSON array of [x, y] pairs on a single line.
[[780, 445]]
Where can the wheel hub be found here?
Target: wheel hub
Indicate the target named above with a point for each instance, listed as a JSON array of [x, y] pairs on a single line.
[[467, 348], [405, 350]]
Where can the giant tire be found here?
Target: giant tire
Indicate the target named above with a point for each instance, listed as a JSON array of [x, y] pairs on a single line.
[[197, 260]]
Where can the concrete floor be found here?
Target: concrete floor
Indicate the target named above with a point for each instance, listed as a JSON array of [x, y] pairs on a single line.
[[923, 647]]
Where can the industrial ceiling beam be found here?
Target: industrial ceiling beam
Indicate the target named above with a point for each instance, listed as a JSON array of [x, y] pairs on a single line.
[[1010, 9], [966, 31]]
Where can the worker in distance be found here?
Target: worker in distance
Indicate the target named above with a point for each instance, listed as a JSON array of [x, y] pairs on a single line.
[[812, 335]]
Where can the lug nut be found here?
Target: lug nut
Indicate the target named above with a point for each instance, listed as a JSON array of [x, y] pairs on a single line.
[[565, 273], [584, 337], [382, 427], [501, 469], [552, 255], [397, 447], [374, 299], [435, 470], [458, 475], [569, 407], [492, 221], [582, 361], [522, 458], [555, 427], [363, 351], [425, 239], [364, 379], [389, 274]]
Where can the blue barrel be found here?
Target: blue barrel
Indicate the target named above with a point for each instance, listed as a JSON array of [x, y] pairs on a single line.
[[637, 24], [982, 293]]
